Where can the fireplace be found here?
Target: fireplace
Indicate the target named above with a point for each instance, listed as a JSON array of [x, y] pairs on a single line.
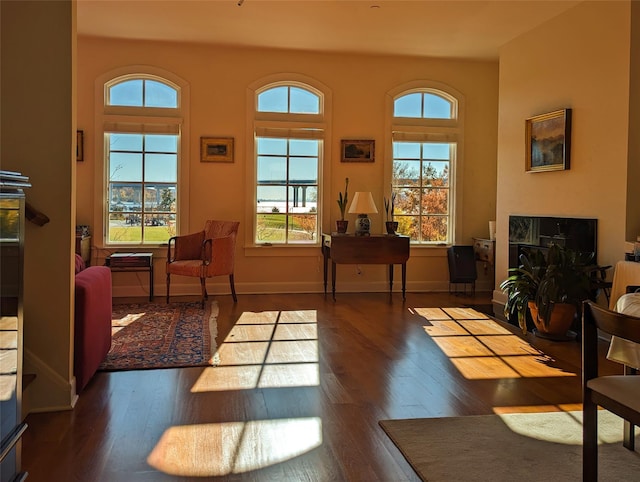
[[578, 234]]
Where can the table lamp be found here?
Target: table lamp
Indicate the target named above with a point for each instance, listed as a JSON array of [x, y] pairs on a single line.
[[362, 205]]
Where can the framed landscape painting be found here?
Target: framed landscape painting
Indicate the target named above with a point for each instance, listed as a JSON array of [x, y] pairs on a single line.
[[548, 140], [216, 149], [357, 151]]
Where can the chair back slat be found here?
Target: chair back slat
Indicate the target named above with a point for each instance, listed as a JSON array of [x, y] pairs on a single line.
[[612, 323]]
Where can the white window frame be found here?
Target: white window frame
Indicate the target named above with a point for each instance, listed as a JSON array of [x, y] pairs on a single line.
[[290, 125], [146, 120], [430, 129]]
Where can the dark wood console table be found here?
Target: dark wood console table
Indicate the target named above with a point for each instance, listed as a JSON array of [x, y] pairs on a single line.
[[374, 249], [132, 262]]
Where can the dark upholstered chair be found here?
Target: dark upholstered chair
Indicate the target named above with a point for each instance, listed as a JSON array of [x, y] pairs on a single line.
[[462, 267], [204, 254], [619, 394]]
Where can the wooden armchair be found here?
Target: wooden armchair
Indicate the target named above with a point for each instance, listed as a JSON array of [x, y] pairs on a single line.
[[619, 394], [204, 254]]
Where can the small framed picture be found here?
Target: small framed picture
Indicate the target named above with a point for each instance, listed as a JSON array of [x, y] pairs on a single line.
[[216, 149], [358, 151], [79, 145], [548, 141]]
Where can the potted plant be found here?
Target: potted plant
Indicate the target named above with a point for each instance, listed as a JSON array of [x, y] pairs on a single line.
[[551, 284], [341, 224], [389, 207]]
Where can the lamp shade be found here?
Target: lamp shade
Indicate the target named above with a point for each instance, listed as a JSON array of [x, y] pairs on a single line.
[[363, 204]]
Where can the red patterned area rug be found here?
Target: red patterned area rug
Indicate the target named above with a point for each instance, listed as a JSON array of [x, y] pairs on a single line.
[[153, 335]]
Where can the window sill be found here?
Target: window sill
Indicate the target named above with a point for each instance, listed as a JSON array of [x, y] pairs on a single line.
[[282, 250]]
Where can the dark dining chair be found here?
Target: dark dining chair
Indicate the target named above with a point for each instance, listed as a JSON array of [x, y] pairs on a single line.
[[618, 394]]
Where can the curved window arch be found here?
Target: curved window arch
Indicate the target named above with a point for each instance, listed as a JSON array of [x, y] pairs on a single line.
[[425, 104], [141, 91], [142, 119], [426, 135], [289, 99], [288, 142]]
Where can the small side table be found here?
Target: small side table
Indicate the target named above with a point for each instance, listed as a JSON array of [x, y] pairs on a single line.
[[119, 262]]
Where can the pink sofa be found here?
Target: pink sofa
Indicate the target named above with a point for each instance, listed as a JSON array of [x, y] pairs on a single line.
[[92, 320]]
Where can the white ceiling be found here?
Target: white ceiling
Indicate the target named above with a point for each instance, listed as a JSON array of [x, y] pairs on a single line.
[[435, 28]]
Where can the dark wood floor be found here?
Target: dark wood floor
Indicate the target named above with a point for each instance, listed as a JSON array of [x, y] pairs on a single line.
[[302, 405]]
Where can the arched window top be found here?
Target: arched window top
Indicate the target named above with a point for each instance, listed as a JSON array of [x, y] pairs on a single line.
[[425, 104], [289, 98], [142, 91]]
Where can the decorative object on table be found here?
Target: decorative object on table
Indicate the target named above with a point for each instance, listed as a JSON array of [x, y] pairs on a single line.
[[216, 149], [548, 141], [342, 223], [357, 150], [551, 284], [363, 205], [389, 207], [158, 335], [79, 145]]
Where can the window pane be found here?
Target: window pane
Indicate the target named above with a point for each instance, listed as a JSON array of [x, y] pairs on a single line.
[[433, 150], [125, 142], [161, 143], [272, 170], [125, 166], [406, 150], [435, 201], [409, 105], [159, 197], [303, 147], [304, 102], [435, 174], [158, 94], [271, 228], [409, 226], [406, 173], [436, 107], [303, 199], [271, 199], [303, 170], [124, 229], [127, 93], [303, 228], [268, 145], [434, 229], [408, 201], [161, 168], [273, 100]]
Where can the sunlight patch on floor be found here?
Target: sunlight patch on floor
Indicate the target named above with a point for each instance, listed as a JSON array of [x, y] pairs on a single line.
[[480, 348], [217, 449], [269, 349]]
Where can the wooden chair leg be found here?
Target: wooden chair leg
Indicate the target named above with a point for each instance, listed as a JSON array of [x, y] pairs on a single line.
[[203, 289], [589, 440], [233, 288], [629, 438], [168, 283]]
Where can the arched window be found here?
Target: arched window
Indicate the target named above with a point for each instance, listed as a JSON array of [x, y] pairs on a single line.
[[142, 127], [425, 133], [289, 133]]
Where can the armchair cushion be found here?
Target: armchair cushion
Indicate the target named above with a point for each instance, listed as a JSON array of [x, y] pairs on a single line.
[[92, 322]]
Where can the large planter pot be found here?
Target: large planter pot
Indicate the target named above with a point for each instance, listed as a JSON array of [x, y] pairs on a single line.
[[557, 328]]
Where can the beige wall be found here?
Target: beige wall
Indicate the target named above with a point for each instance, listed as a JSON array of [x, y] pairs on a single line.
[[218, 78], [581, 60], [38, 139]]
